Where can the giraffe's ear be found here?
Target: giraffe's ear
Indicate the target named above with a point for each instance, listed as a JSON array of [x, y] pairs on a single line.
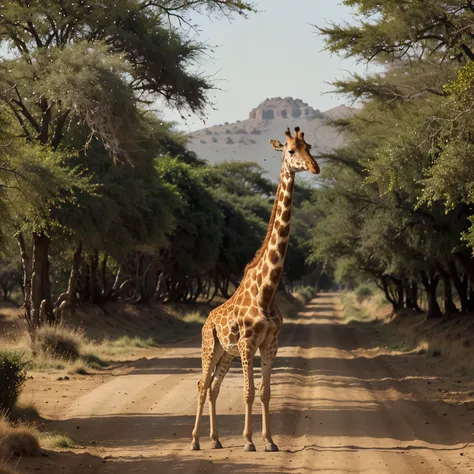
[[277, 145]]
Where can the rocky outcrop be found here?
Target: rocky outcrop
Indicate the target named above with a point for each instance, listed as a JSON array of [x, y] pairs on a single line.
[[278, 108]]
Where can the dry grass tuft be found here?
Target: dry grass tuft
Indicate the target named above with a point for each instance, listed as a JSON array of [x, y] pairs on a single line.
[[25, 412], [59, 342], [18, 440]]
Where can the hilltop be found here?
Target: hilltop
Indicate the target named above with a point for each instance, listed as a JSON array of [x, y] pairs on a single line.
[[248, 140]]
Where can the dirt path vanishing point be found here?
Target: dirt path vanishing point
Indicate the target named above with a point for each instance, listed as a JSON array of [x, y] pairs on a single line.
[[338, 405]]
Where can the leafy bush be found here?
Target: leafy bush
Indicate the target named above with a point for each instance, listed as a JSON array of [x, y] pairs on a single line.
[[12, 378], [364, 292], [60, 342]]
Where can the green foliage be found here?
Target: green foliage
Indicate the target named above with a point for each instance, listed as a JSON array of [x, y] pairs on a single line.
[[398, 201], [394, 30], [364, 292], [12, 378]]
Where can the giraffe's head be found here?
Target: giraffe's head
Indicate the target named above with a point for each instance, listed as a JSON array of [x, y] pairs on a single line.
[[296, 152]]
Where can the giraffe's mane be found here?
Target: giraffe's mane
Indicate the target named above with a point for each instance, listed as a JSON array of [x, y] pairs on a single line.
[[260, 251]]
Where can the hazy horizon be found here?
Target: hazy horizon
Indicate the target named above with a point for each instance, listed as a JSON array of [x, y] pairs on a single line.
[[274, 53]]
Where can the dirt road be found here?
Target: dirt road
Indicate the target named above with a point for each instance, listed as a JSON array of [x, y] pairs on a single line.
[[339, 404]]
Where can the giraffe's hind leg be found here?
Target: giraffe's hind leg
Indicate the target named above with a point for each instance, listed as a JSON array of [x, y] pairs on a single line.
[[221, 370], [211, 353]]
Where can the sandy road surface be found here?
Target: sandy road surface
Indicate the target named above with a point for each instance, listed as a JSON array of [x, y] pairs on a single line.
[[338, 406]]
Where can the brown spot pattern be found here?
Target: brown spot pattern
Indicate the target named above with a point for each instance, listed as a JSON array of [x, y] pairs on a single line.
[[267, 294], [285, 231], [286, 216], [282, 248], [275, 275], [273, 257]]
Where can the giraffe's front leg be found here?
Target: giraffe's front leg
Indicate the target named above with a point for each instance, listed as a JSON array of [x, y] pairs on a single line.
[[247, 356], [267, 355]]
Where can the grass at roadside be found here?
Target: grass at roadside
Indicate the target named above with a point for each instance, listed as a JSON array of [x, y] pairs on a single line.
[[367, 309], [409, 332], [56, 441], [65, 348]]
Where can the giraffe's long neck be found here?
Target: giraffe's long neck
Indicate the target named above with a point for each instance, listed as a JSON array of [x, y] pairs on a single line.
[[267, 268]]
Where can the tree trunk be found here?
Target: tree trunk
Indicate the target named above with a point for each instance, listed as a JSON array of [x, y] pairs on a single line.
[[411, 292], [214, 293], [85, 281], [434, 311], [103, 274], [471, 296], [27, 272], [42, 309], [73, 277], [400, 294], [449, 306], [414, 296], [147, 282], [93, 282], [448, 303], [394, 296], [467, 263], [119, 278], [460, 285]]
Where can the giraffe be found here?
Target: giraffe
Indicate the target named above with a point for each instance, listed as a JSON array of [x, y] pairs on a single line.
[[249, 319]]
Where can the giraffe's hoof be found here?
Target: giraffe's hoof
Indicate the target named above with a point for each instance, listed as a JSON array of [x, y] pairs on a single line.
[[216, 445], [249, 447], [195, 446], [271, 448]]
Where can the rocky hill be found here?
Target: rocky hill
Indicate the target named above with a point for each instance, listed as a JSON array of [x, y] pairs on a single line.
[[248, 140]]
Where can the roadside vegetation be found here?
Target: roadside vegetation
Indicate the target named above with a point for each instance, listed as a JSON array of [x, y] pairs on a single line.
[[396, 206], [409, 331]]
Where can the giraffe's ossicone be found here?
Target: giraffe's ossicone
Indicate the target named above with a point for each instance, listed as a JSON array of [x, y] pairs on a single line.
[[250, 320]]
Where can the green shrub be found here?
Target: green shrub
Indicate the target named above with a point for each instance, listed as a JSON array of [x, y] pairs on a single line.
[[364, 292], [12, 378], [60, 342]]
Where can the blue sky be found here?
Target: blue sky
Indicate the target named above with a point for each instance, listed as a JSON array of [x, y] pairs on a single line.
[[276, 52]]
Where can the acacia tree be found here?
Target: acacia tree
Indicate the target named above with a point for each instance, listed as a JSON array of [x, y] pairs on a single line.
[[75, 71], [417, 112]]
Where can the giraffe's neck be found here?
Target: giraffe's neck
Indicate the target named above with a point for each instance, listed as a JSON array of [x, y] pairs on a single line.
[[267, 268]]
